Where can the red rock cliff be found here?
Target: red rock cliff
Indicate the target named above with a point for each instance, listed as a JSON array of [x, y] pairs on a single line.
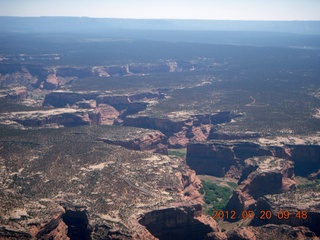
[[218, 157], [273, 175]]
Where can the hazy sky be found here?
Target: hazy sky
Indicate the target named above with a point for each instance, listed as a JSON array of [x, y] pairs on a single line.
[[172, 9]]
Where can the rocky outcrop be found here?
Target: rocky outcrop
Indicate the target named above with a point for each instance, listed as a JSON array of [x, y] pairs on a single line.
[[52, 77], [241, 234], [21, 77], [9, 234], [108, 114], [301, 206], [123, 101], [175, 122], [36, 76], [220, 158], [210, 159], [115, 70], [274, 174], [61, 116], [114, 100], [189, 133], [30, 76], [271, 231], [190, 185], [164, 125], [315, 175], [306, 158], [179, 223], [183, 222], [71, 223], [131, 108], [180, 128], [63, 98], [16, 93], [87, 104], [51, 83], [77, 221], [153, 141], [55, 229]]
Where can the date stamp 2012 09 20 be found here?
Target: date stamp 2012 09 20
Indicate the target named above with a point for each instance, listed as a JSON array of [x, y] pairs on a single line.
[[263, 214]]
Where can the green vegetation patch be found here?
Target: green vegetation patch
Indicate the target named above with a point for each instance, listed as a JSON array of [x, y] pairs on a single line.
[[177, 153], [215, 197], [233, 185], [310, 185]]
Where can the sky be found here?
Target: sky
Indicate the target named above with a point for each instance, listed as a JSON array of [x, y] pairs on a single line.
[[167, 9]]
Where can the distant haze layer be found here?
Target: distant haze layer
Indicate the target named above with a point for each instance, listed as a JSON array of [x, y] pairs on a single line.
[[165, 9], [83, 24]]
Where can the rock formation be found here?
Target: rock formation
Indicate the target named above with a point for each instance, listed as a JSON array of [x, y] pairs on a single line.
[[88, 104], [108, 114], [211, 159], [180, 128], [301, 206], [61, 116], [241, 233], [315, 175], [16, 93], [220, 158], [191, 184], [306, 158], [21, 77], [51, 83], [178, 223], [51, 77], [142, 140], [61, 98], [262, 175], [115, 70]]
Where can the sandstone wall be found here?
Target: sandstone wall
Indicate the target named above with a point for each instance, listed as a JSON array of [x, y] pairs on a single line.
[[218, 157]]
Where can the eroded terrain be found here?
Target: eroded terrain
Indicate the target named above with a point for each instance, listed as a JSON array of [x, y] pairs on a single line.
[[85, 137], [58, 177]]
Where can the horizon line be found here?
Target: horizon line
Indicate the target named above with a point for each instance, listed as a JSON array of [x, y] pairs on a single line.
[[170, 19]]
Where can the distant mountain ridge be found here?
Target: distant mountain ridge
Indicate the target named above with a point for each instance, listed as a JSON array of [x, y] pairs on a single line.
[[85, 24]]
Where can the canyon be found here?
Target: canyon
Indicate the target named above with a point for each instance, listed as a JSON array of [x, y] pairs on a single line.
[[253, 158], [229, 156], [275, 174], [106, 135], [269, 162], [39, 206], [94, 108], [51, 78]]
